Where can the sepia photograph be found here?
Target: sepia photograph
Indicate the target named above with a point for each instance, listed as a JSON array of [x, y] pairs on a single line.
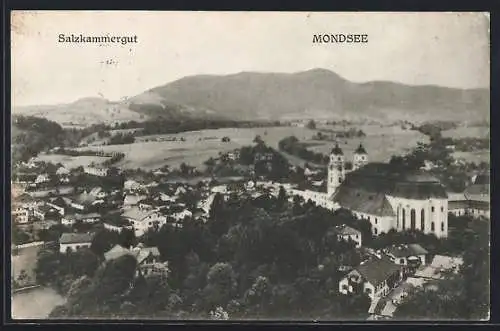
[[250, 166]]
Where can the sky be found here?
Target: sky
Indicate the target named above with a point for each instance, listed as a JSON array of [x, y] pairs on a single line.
[[447, 49]]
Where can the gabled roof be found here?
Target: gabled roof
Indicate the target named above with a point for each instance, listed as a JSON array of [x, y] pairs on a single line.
[[75, 238], [375, 271], [346, 230], [116, 252], [407, 250]]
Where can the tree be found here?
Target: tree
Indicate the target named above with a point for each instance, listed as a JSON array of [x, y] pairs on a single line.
[[221, 284], [311, 125]]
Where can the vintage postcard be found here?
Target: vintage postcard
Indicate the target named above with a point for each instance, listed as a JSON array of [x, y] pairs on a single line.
[[294, 166]]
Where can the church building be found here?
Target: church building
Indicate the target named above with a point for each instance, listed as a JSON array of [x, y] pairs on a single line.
[[387, 197]]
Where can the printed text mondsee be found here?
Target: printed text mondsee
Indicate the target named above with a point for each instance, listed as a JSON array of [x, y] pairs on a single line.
[[340, 38]]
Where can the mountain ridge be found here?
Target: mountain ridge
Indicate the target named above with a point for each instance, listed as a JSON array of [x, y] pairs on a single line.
[[314, 93]]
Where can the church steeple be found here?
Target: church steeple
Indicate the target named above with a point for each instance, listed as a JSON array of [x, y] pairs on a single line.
[[336, 169], [360, 157]]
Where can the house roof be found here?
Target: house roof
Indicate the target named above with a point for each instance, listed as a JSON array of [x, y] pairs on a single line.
[[446, 262], [116, 252], [346, 230], [137, 214], [142, 253], [478, 192], [24, 198], [407, 250], [376, 270], [75, 238]]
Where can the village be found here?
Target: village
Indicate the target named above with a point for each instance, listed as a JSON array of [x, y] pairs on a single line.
[[67, 209]]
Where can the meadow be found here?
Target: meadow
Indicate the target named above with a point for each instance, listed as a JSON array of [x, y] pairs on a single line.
[[467, 132], [381, 142], [71, 161]]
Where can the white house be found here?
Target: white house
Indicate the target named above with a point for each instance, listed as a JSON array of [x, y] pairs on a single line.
[[70, 242], [62, 171], [96, 171], [347, 233], [142, 219], [42, 178], [375, 277], [21, 215], [407, 254]]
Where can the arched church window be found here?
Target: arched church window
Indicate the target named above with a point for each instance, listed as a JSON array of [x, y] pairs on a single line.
[[442, 226], [432, 208], [422, 219], [432, 226], [340, 180], [412, 219], [397, 218], [442, 209], [376, 231], [404, 219]]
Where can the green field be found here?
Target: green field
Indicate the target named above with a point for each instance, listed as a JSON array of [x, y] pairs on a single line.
[[476, 157], [468, 132], [72, 161], [380, 142]]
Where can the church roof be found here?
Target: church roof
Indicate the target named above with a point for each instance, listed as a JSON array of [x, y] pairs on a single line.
[[383, 178], [364, 201], [360, 150], [337, 150]]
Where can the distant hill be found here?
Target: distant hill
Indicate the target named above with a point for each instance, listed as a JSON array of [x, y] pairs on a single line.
[[321, 93], [316, 93], [83, 112]]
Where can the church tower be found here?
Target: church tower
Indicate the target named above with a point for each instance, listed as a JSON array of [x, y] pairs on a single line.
[[360, 158], [336, 169]]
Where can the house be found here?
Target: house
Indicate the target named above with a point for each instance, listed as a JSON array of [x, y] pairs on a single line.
[[21, 215], [114, 227], [62, 172], [68, 220], [180, 190], [42, 178], [26, 201], [148, 259], [182, 215], [439, 265], [43, 212], [96, 171], [59, 204], [88, 218], [347, 233], [375, 277], [410, 254], [142, 219], [70, 242], [131, 185], [132, 199]]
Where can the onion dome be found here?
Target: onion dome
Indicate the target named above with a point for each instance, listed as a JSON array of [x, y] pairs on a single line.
[[360, 150], [337, 150]]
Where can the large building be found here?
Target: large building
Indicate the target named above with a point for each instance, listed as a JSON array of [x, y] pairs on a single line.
[[387, 198], [475, 200]]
